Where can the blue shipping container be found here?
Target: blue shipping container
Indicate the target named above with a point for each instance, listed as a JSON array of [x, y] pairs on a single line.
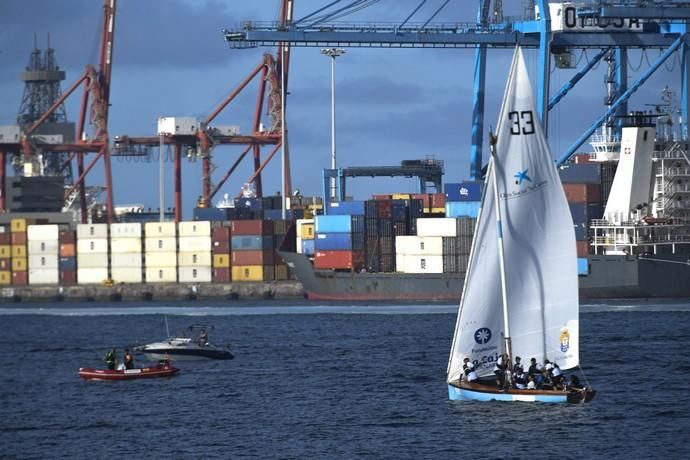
[[342, 208], [333, 242], [582, 266], [67, 263], [211, 214], [338, 224], [251, 243], [308, 247], [581, 173], [464, 191], [462, 208]]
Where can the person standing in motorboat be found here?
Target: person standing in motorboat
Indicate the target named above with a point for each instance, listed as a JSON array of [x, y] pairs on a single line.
[[128, 360], [111, 359], [203, 338]]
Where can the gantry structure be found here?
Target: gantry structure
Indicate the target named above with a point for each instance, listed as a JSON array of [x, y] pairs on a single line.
[[612, 26]]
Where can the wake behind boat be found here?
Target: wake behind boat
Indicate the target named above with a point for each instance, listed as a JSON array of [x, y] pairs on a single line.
[[185, 346], [521, 288]]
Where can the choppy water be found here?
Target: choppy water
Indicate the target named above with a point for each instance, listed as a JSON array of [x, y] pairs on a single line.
[[329, 382]]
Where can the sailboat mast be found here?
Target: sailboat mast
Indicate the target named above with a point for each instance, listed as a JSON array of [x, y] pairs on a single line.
[[501, 256]]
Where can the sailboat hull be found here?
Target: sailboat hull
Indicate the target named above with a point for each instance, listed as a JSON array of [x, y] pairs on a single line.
[[477, 392]]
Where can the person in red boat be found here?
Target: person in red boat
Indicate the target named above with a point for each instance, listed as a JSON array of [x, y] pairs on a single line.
[[111, 359], [128, 360]]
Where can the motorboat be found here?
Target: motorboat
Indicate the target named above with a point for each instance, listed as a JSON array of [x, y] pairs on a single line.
[[159, 370], [188, 345]]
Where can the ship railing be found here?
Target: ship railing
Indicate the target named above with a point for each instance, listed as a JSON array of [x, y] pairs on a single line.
[[644, 240], [672, 172]]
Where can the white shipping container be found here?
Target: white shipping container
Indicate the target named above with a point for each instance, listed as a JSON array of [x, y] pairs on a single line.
[[418, 264], [92, 231], [43, 261], [160, 259], [92, 260], [299, 241], [38, 247], [130, 229], [161, 275], [91, 275], [131, 260], [177, 125], [125, 245], [436, 226], [195, 243], [194, 274], [42, 232], [127, 274], [419, 245], [195, 228], [194, 259], [44, 276], [160, 244], [159, 229], [92, 246]]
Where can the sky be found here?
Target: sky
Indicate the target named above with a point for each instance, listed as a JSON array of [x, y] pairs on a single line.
[[170, 59]]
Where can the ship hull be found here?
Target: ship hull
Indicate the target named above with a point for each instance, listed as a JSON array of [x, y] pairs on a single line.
[[609, 277]]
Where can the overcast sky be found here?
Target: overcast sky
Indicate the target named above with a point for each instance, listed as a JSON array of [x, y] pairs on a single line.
[[170, 59]]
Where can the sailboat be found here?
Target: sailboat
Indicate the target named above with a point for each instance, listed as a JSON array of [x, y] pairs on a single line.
[[521, 290]]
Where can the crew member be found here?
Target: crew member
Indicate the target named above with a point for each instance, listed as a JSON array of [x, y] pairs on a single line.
[[128, 360], [111, 359]]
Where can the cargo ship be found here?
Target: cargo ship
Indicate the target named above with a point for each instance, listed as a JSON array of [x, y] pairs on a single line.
[[630, 201]]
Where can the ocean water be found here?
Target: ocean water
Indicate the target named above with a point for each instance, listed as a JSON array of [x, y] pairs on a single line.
[[329, 381]]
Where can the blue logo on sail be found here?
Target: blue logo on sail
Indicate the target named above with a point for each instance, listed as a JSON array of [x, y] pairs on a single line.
[[482, 335], [522, 175]]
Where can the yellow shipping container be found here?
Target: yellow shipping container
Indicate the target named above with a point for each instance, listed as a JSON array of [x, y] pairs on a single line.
[[401, 196], [19, 251], [221, 261], [5, 251], [5, 278], [19, 264], [306, 231], [438, 210], [18, 225], [308, 214], [253, 273]]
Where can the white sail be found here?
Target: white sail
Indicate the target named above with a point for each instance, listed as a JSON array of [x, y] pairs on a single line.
[[539, 247]]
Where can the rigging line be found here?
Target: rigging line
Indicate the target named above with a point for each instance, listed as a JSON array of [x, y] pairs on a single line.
[[412, 14], [331, 15], [584, 376], [646, 57], [357, 8], [316, 12], [630, 66], [435, 13]]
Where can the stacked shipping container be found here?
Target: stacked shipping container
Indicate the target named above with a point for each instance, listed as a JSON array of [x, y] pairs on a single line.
[[220, 250], [67, 264], [92, 253], [126, 252], [253, 254], [43, 254], [305, 236], [160, 252], [20, 265], [463, 199], [5, 256], [339, 241], [194, 258]]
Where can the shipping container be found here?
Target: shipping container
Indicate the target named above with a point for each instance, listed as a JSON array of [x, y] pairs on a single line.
[[253, 257], [121, 245], [127, 274], [43, 247], [68, 276], [92, 231], [220, 235], [20, 278], [462, 209], [67, 237], [419, 263], [221, 261], [252, 243], [161, 274], [210, 214], [92, 275], [18, 225], [251, 227], [582, 193], [160, 259], [220, 247], [342, 260], [43, 261], [582, 248], [97, 260], [67, 263], [67, 250], [160, 244], [338, 224], [126, 230], [194, 244], [581, 173], [196, 228], [194, 259], [18, 239], [43, 232], [582, 266], [308, 247], [92, 246], [345, 208], [221, 275], [253, 273], [419, 245], [5, 264], [19, 252], [5, 277], [44, 276], [338, 241], [160, 230], [5, 239], [463, 191], [127, 260], [5, 251], [305, 229], [400, 196], [437, 226], [194, 274], [178, 125]]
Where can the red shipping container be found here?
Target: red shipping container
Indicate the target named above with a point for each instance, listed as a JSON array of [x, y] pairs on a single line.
[[220, 234], [68, 250], [221, 275], [425, 198], [68, 277], [67, 237], [382, 197], [384, 208], [346, 260], [5, 264], [581, 158], [253, 257], [19, 239], [582, 248], [582, 193], [218, 247], [20, 278], [251, 227], [438, 200], [5, 238]]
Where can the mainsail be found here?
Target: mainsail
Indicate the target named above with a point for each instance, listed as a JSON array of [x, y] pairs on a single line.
[[538, 243]]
